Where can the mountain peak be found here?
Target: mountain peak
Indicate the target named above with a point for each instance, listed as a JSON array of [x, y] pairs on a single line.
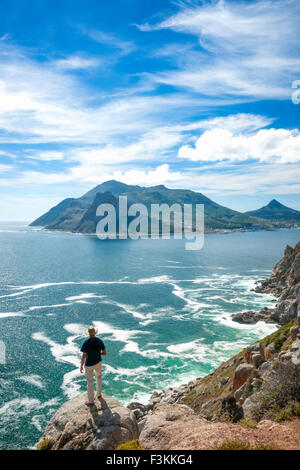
[[274, 203], [277, 212]]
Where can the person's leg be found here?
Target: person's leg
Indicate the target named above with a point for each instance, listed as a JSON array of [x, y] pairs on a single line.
[[98, 370], [89, 373]]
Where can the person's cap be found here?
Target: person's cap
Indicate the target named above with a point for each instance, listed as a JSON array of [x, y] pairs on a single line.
[[91, 330]]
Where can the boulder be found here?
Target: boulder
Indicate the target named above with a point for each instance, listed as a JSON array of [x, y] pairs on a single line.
[[102, 426], [257, 359], [269, 351], [264, 367], [294, 332], [296, 358], [251, 317], [285, 356], [239, 392], [164, 416], [241, 374], [295, 345], [255, 348]]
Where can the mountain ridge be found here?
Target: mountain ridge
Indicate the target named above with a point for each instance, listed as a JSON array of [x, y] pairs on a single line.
[[274, 210], [69, 213]]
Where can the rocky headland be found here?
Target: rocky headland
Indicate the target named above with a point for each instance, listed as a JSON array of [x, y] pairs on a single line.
[[283, 283], [264, 380]]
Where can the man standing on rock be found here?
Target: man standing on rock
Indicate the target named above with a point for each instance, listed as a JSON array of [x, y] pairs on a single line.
[[92, 350]]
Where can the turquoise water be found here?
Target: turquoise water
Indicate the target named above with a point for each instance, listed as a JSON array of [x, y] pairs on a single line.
[[163, 313]]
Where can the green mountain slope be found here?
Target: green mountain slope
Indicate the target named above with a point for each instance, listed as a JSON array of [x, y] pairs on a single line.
[[79, 215]]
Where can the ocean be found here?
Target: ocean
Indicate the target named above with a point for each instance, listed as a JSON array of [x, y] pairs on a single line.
[[164, 314]]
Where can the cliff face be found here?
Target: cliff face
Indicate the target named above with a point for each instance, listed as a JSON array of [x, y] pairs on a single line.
[[284, 283]]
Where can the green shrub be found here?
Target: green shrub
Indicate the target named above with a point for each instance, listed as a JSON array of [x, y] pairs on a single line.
[[238, 445], [131, 445], [45, 444], [288, 413], [278, 342]]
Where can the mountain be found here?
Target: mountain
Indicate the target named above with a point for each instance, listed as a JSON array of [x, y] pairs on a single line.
[[276, 211], [114, 187], [79, 215]]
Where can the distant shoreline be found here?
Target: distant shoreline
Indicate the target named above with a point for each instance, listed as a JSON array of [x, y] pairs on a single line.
[[157, 237]]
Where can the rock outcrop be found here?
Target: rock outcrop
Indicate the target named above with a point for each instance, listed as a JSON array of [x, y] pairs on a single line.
[[177, 428], [284, 283], [102, 426], [241, 375]]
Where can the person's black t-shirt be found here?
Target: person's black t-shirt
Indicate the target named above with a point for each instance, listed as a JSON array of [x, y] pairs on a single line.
[[93, 348]]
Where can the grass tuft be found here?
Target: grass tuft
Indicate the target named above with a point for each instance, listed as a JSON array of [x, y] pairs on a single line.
[[45, 444], [131, 445], [238, 445]]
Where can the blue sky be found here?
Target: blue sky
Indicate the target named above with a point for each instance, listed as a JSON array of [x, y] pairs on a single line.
[[190, 94]]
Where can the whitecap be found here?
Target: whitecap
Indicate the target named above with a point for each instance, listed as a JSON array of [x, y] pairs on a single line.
[[33, 379], [12, 314]]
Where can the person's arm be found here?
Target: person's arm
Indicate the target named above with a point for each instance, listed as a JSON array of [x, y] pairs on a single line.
[[103, 352], [82, 362]]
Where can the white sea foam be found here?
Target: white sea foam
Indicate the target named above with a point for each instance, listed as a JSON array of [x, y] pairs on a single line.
[[155, 280], [25, 289], [88, 295], [195, 350], [127, 308], [124, 336], [71, 383], [68, 353], [33, 379], [21, 407], [36, 421], [41, 307], [12, 314], [183, 347], [75, 329], [122, 371]]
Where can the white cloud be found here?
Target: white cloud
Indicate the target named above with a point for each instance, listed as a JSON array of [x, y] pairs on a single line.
[[51, 155], [160, 175], [40, 103], [76, 62], [247, 49], [264, 145], [126, 47], [241, 122], [95, 175], [249, 180], [5, 168]]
